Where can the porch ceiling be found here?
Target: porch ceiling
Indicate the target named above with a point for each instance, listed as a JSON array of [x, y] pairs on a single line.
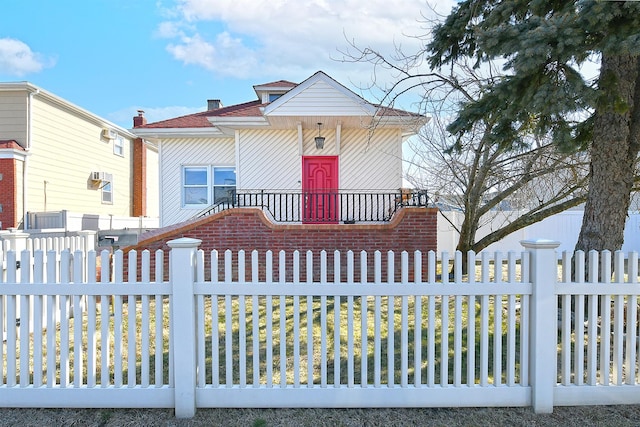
[[409, 124], [311, 122]]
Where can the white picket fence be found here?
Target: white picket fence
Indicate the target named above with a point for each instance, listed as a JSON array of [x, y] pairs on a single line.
[[272, 330]]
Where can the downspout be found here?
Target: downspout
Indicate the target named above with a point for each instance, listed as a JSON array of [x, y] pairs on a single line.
[[25, 219]]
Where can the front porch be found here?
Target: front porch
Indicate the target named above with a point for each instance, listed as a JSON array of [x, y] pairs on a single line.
[[318, 207]]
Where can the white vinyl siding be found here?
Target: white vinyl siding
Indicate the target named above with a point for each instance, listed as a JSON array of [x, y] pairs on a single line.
[[269, 160], [179, 152], [321, 99], [65, 150], [371, 161], [13, 116], [153, 196]]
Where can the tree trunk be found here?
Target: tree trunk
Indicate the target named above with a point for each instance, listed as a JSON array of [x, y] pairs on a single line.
[[614, 152]]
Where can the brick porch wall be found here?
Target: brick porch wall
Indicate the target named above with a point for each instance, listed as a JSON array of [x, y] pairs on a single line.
[[248, 229]]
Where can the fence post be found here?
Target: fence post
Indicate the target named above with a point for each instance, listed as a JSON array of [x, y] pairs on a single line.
[[183, 323], [543, 335], [16, 238], [88, 238]]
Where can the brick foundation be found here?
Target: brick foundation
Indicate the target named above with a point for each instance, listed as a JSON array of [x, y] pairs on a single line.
[[412, 229]]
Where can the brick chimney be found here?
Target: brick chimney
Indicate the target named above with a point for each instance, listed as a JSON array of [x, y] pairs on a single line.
[[140, 119], [213, 104]]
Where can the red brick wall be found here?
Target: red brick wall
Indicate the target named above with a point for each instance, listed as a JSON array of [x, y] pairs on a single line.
[[248, 229], [139, 206], [8, 195]]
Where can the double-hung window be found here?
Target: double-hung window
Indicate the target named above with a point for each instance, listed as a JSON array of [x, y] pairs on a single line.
[[195, 190], [118, 146], [107, 189], [207, 185], [224, 184]]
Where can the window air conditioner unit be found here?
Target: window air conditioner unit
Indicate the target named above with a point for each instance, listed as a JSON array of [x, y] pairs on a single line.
[[98, 176], [109, 133]]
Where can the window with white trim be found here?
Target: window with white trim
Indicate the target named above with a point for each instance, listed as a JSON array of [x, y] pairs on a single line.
[[118, 146], [207, 185], [224, 184], [107, 189], [195, 185]]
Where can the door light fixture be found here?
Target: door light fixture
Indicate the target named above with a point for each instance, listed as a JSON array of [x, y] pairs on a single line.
[[319, 139]]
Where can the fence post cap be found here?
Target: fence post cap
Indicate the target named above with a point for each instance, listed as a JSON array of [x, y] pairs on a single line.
[[540, 244], [184, 242]]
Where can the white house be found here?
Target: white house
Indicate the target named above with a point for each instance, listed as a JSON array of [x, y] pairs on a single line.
[[313, 152]]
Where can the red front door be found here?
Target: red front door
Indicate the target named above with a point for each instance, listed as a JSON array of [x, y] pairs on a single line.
[[320, 189]]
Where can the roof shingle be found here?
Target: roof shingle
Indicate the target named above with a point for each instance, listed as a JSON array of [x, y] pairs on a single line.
[[201, 120]]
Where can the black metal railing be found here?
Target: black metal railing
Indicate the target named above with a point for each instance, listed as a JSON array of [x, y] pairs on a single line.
[[328, 207]]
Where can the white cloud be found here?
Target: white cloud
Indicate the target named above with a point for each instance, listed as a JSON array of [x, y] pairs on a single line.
[[168, 30], [226, 55], [16, 58], [274, 37]]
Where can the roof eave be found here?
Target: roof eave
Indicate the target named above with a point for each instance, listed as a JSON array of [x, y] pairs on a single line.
[[159, 133], [239, 122], [64, 104], [409, 124]]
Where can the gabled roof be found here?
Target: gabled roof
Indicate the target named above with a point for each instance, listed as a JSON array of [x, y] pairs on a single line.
[[297, 100], [362, 106], [277, 85]]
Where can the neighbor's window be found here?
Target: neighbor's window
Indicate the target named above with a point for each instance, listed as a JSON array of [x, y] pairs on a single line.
[[107, 189], [224, 184], [118, 146], [195, 187], [274, 96]]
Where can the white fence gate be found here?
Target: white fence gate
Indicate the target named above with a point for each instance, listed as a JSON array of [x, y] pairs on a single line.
[[269, 330]]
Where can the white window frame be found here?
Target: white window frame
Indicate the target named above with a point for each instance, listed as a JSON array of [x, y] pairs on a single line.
[[185, 186], [118, 146], [220, 185], [210, 184], [106, 190]]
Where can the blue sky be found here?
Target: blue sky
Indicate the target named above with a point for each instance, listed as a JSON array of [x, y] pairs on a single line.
[[167, 57]]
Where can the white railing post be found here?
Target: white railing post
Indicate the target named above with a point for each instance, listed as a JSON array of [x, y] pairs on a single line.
[[544, 328], [183, 323]]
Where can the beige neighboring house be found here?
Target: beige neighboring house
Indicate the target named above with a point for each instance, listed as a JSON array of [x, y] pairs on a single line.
[[63, 167], [312, 152]]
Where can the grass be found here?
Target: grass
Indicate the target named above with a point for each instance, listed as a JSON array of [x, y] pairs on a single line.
[[380, 355]]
